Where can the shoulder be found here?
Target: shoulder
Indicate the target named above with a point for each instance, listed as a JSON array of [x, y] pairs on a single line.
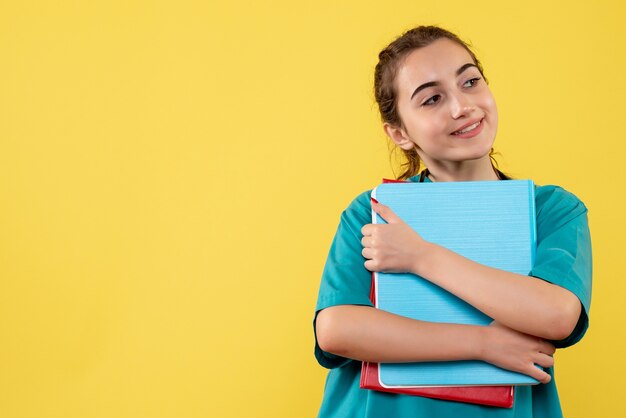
[[360, 204], [358, 212], [556, 206], [551, 198], [555, 194]]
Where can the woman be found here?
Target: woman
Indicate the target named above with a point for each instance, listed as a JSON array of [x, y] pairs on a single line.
[[436, 106]]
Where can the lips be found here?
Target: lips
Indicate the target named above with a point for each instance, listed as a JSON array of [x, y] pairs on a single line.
[[468, 127]]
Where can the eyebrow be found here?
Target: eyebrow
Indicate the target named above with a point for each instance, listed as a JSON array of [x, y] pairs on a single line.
[[435, 83]]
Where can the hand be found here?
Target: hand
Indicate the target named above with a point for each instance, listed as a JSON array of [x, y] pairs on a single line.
[[513, 350], [393, 247]]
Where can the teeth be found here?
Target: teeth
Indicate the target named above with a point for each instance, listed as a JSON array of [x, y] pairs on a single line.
[[469, 128]]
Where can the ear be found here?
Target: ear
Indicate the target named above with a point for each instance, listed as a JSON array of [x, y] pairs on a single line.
[[399, 136]]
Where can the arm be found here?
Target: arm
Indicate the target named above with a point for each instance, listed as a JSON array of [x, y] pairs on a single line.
[[368, 334], [526, 304]]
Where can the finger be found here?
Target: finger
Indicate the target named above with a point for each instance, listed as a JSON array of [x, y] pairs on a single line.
[[544, 360], [371, 265], [547, 348], [367, 253], [540, 375], [385, 212], [367, 241], [368, 229], [544, 377]]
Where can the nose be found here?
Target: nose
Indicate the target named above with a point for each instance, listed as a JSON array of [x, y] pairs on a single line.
[[460, 105]]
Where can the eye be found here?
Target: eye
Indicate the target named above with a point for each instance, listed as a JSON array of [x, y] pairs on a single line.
[[472, 82], [431, 101]]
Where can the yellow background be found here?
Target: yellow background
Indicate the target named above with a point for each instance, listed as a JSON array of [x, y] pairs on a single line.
[[172, 173]]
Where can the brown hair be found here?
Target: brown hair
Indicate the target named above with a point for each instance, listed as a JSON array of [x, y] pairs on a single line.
[[389, 60]]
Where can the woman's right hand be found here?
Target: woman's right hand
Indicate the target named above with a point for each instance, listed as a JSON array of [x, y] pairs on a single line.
[[513, 350]]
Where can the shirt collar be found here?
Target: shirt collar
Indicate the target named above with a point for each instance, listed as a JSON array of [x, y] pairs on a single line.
[[416, 178]]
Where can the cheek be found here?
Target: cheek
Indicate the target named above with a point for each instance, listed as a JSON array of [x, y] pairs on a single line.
[[489, 104], [491, 108], [494, 117], [426, 133], [433, 124]]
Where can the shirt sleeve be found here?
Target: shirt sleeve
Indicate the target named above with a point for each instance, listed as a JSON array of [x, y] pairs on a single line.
[[345, 280], [564, 250]]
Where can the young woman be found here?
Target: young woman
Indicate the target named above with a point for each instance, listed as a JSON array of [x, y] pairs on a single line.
[[436, 106]]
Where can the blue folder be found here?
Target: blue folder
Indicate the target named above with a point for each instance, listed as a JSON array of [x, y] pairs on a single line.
[[490, 222]]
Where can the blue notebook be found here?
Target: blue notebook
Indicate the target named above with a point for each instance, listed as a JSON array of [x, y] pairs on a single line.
[[490, 222]]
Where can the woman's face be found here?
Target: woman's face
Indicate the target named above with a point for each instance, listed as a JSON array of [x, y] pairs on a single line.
[[446, 108]]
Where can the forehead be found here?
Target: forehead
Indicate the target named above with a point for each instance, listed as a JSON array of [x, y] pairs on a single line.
[[436, 62]]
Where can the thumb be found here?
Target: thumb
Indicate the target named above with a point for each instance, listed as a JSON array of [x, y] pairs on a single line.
[[385, 212]]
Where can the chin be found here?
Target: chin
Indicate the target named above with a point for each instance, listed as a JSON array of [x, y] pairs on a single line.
[[473, 155]]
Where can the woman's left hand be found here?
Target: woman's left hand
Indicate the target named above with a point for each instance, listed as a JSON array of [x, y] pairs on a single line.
[[393, 247]]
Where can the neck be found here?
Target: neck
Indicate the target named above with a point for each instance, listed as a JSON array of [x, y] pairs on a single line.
[[463, 171]]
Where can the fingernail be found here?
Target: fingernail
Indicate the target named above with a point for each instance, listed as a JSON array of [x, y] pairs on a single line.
[[373, 200]]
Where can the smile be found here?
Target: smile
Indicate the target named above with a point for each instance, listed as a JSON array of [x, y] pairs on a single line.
[[470, 130]]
